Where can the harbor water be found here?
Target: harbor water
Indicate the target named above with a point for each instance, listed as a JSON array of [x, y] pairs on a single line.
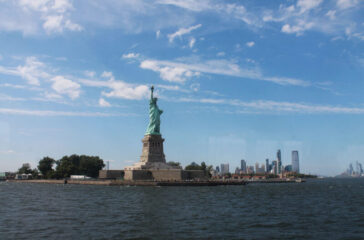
[[316, 209]]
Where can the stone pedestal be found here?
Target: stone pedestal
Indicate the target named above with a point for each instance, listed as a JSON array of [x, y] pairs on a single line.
[[152, 157], [152, 149], [153, 166]]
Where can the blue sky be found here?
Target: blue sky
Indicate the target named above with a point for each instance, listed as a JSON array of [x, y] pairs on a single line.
[[236, 79]]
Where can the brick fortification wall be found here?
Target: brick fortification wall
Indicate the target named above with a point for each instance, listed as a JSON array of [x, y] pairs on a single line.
[[111, 174], [194, 174], [138, 175], [164, 175], [167, 175]]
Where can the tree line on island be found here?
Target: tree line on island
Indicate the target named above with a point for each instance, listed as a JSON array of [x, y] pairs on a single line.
[[90, 166], [65, 167]]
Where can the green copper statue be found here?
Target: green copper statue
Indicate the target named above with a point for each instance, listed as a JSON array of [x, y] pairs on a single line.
[[154, 116]]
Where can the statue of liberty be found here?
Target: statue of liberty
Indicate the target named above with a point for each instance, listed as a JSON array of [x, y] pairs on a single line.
[[154, 116]]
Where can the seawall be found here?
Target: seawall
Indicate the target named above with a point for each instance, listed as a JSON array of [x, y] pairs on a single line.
[[107, 182]]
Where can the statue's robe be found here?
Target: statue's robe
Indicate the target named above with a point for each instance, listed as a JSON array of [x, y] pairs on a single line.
[[154, 118]]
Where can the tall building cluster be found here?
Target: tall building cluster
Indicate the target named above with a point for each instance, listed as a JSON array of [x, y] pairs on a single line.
[[355, 172], [274, 167]]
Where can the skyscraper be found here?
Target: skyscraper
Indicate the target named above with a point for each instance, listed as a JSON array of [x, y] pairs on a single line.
[[275, 167], [351, 169], [224, 168], [295, 162], [359, 168], [259, 169], [279, 162], [267, 166], [243, 165], [250, 169]]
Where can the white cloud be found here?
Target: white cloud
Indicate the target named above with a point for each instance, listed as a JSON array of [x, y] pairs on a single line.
[[107, 74], [220, 54], [264, 106], [49, 95], [192, 42], [17, 86], [195, 87], [191, 5], [104, 103], [7, 151], [182, 31], [136, 16], [297, 29], [40, 5], [222, 9], [180, 71], [169, 73], [29, 16], [127, 91], [32, 71], [72, 26], [50, 113], [9, 85], [331, 14], [169, 87], [344, 4], [119, 89], [61, 5], [310, 15], [4, 97], [57, 23], [239, 12], [250, 44], [306, 5], [90, 74], [65, 86], [130, 55], [53, 24]]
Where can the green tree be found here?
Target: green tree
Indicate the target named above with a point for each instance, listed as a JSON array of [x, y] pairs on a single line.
[[25, 169], [67, 166], [45, 166], [90, 165], [176, 164], [203, 166], [193, 166], [35, 173], [79, 165], [209, 170]]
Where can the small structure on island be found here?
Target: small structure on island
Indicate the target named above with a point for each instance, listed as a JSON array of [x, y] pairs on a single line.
[[152, 164]]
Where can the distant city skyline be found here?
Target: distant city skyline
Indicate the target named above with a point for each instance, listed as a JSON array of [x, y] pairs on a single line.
[[276, 166], [236, 80]]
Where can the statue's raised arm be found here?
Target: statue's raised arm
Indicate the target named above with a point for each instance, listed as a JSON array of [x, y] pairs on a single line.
[[154, 116], [151, 92]]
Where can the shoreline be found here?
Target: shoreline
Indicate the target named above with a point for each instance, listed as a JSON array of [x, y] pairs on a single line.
[[156, 183]]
